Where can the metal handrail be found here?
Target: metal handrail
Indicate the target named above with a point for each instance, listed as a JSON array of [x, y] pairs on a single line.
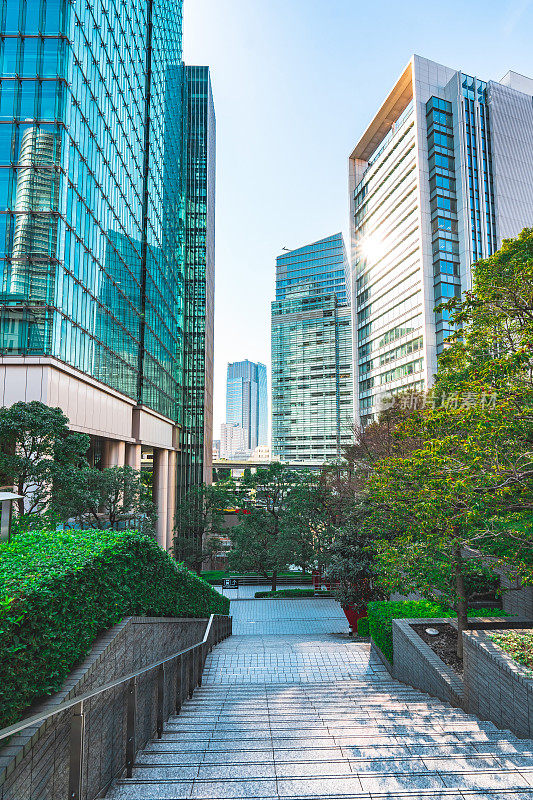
[[37, 718]]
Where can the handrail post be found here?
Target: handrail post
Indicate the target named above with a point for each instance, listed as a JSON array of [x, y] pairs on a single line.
[[130, 727], [160, 700], [191, 674], [179, 683], [77, 733]]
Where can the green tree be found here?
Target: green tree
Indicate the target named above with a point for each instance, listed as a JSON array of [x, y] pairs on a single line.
[[263, 541], [114, 498], [200, 522], [40, 458]]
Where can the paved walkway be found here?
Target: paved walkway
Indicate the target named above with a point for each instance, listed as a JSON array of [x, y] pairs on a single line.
[[275, 616], [314, 716]]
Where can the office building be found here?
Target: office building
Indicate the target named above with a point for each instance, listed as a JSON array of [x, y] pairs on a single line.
[[247, 401], [443, 173], [232, 441], [312, 400], [95, 226], [195, 457]]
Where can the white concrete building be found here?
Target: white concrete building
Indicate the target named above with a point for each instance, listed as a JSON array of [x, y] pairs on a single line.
[[443, 173], [232, 440]]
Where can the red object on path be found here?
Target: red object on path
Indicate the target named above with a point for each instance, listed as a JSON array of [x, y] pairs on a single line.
[[353, 616]]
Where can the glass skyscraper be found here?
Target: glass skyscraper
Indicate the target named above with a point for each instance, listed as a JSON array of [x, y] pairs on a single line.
[[103, 192], [247, 401], [196, 456], [443, 173], [312, 400]]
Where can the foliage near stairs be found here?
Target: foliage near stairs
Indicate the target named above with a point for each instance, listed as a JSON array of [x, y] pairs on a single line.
[[59, 590]]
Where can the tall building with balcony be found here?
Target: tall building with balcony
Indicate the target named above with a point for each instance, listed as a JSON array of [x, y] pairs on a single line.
[[99, 216], [443, 173], [247, 401], [312, 395]]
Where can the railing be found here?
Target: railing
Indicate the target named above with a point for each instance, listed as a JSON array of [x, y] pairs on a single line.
[[189, 666]]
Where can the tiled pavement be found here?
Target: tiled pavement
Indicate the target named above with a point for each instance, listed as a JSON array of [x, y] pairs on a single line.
[[314, 716], [273, 616]]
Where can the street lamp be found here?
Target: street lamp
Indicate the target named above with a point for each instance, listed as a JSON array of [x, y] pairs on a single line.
[[6, 499]]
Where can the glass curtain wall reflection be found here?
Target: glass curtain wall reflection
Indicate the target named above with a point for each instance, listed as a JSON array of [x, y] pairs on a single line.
[[312, 393], [90, 156]]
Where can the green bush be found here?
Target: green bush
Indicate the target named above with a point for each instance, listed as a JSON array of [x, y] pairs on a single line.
[[381, 615], [216, 576], [59, 590], [293, 593], [363, 627]]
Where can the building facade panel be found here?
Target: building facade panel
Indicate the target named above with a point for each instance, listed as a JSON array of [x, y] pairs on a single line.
[[441, 175], [312, 398]]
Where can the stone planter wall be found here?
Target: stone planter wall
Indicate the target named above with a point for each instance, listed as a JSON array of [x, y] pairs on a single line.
[[416, 664], [496, 687], [34, 765]]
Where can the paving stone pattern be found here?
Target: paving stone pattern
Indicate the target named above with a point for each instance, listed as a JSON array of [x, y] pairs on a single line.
[[311, 715]]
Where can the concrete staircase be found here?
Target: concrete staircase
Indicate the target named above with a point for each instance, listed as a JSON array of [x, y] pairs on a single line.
[[347, 739]]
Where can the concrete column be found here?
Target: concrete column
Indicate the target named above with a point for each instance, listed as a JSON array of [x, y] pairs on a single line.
[[161, 494], [133, 456], [171, 510], [114, 453]]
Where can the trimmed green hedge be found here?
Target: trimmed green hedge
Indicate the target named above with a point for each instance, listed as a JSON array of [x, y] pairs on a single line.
[[59, 590], [381, 615], [363, 627], [293, 593], [216, 576]]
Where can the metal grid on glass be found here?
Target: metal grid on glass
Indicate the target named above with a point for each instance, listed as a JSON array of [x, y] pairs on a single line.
[[194, 458], [90, 142], [312, 388]]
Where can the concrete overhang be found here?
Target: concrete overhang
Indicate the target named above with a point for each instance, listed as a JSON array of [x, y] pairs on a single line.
[[394, 105]]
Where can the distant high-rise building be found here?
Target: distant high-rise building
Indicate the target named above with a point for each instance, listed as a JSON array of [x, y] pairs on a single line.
[[232, 441], [312, 400], [443, 173], [247, 401], [107, 225]]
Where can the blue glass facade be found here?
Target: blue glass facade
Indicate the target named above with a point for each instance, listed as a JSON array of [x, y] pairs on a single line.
[[196, 446], [322, 263], [91, 191], [312, 390], [247, 401]]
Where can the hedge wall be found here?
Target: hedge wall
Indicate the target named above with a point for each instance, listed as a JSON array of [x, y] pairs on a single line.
[[293, 593], [381, 615], [59, 590]]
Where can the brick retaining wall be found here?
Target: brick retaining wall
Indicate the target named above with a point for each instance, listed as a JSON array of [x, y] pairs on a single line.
[[497, 688], [416, 664], [35, 764]]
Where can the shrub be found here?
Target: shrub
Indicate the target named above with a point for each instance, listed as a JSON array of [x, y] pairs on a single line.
[[59, 590], [381, 615], [518, 644], [293, 593], [363, 627]]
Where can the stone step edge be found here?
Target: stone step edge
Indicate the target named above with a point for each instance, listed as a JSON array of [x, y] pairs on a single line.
[[352, 759], [418, 774]]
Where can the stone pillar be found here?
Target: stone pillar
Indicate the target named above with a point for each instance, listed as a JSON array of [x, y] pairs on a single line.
[[171, 509], [114, 453], [133, 456], [161, 494]]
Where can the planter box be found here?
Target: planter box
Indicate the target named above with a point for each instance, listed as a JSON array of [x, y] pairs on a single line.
[[497, 688], [416, 664]]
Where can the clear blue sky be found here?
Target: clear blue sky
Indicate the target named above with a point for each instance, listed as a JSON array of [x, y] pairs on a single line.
[[295, 83]]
